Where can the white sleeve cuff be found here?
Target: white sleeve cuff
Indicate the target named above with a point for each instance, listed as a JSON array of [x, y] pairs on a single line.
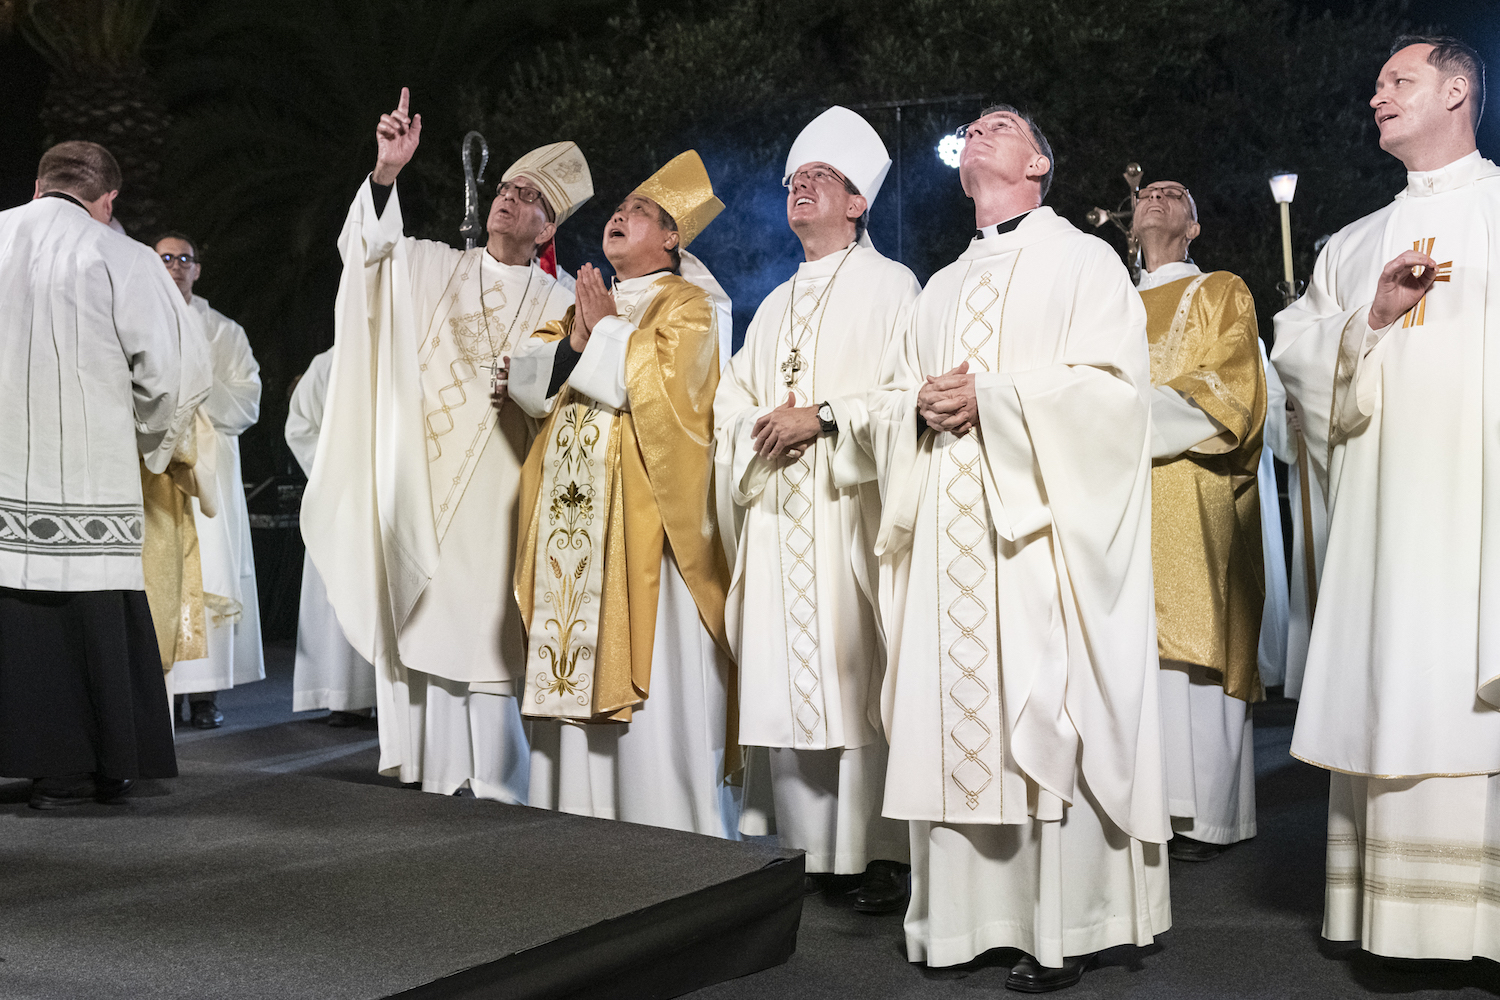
[[600, 374], [531, 373], [1178, 425]]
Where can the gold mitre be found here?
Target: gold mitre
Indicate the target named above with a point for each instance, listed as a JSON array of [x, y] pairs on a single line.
[[682, 188], [560, 172]]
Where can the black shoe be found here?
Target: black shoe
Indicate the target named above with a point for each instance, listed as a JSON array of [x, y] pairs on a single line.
[[885, 887], [206, 715], [1181, 848], [346, 720], [62, 791], [112, 790], [1028, 976]]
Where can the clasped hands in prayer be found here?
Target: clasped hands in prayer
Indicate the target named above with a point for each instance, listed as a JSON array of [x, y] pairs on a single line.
[[948, 402]]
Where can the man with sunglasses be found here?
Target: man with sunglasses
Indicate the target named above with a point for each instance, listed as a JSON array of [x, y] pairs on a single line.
[[1207, 412], [231, 605], [801, 510], [410, 515], [1012, 438]]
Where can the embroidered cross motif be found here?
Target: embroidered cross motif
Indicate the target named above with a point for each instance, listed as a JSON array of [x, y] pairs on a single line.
[[1417, 313]]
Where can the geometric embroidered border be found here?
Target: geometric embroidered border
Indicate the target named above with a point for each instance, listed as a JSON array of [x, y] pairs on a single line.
[[71, 529]]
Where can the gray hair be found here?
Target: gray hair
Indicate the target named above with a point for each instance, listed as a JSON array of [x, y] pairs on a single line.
[[1042, 145], [1451, 57]]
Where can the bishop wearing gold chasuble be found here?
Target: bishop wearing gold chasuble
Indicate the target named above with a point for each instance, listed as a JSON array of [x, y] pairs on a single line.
[[621, 574], [1393, 359], [410, 513], [1207, 412]]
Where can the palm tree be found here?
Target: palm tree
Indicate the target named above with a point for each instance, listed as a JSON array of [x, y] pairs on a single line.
[[100, 89]]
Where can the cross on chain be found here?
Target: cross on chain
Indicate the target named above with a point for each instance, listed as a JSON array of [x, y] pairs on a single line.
[[792, 367]]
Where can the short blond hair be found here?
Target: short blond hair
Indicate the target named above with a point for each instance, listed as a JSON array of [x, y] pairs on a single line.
[[84, 169]]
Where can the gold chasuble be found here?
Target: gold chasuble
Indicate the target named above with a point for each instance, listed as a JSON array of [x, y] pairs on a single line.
[[603, 494], [1206, 546]]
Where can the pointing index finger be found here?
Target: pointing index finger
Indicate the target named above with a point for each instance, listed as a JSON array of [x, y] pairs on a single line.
[[405, 100]]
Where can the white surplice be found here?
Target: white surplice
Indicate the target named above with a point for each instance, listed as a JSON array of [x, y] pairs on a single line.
[[101, 366], [410, 516], [801, 611], [232, 605], [1400, 692], [665, 767], [329, 673], [1016, 594]]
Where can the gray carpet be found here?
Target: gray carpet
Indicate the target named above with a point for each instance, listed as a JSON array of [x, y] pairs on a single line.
[[1244, 925]]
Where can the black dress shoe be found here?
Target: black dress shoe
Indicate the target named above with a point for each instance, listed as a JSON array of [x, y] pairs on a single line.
[[112, 790], [885, 887], [206, 715], [1181, 848], [1029, 976], [63, 791]]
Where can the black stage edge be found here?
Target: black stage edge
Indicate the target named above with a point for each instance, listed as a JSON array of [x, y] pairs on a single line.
[[253, 883], [722, 932]]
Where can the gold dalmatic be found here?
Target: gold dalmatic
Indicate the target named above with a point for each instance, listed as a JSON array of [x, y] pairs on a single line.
[[968, 665], [794, 523], [1417, 314], [569, 585]]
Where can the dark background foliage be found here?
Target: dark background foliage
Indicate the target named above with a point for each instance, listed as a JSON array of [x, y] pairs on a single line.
[[249, 123]]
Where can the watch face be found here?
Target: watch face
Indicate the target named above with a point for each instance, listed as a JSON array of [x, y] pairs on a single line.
[[825, 412]]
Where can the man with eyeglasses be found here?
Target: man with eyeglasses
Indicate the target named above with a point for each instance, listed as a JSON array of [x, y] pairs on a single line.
[[231, 604], [800, 515], [1208, 408], [410, 514], [101, 370], [1012, 438]]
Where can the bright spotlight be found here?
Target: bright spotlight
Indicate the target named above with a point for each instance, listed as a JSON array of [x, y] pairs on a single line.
[[949, 150]]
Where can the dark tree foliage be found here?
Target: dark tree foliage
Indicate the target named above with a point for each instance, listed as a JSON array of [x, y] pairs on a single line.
[[275, 107]]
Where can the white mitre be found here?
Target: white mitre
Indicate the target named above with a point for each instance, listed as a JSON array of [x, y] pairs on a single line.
[[847, 143], [560, 172]]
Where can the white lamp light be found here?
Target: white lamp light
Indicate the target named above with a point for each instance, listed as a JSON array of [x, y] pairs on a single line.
[[950, 149], [1284, 188]]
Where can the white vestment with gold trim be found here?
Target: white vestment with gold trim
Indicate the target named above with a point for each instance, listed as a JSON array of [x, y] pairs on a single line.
[[1402, 687], [410, 516], [1020, 696], [801, 612]]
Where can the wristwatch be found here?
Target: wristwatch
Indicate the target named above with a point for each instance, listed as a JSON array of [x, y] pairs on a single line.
[[826, 423]]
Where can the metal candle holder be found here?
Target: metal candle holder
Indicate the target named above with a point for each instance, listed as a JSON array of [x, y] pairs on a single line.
[[1123, 217]]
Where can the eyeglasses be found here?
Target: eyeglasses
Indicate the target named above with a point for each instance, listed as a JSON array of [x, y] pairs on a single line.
[[813, 175], [1162, 193], [999, 122], [526, 195], [185, 259]]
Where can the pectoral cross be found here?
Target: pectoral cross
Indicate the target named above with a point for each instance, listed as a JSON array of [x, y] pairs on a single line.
[[1417, 315], [494, 368], [792, 367]]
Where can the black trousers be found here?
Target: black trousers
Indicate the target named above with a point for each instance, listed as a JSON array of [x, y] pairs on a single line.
[[81, 686]]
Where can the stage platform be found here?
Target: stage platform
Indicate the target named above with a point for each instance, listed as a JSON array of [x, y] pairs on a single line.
[[246, 884]]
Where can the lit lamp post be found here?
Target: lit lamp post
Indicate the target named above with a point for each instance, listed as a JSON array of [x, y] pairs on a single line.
[[1283, 189]]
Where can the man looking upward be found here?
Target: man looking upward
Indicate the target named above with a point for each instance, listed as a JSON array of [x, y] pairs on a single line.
[[621, 574], [1391, 359], [1207, 411], [410, 513], [230, 600], [803, 512], [1013, 442]]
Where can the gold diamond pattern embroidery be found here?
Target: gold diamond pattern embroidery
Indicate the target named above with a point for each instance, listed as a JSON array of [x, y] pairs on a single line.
[[798, 559]]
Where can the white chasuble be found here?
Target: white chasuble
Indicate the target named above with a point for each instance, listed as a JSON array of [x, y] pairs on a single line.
[[410, 513], [801, 612], [1402, 426], [1020, 695]]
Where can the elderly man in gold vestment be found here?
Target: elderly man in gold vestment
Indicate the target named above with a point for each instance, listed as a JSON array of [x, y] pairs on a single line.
[[1207, 414], [621, 575]]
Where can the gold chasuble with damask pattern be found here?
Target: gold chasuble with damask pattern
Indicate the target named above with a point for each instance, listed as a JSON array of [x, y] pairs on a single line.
[[604, 493], [1205, 504]]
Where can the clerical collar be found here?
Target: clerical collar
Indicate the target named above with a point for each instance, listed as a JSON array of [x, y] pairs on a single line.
[[999, 228], [1167, 273], [1460, 173], [66, 197]]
